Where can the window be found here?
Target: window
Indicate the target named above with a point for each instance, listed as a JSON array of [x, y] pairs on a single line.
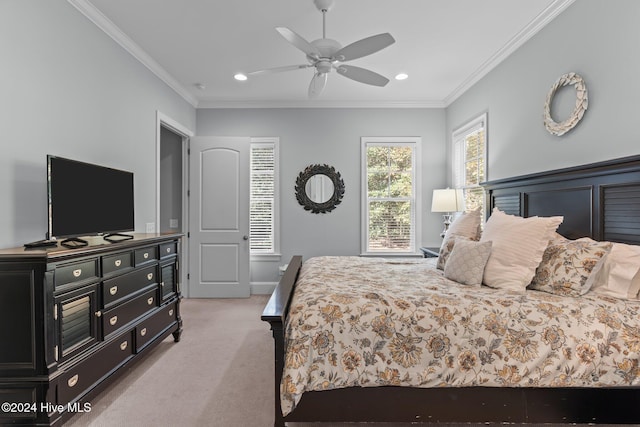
[[469, 162], [391, 207], [263, 216]]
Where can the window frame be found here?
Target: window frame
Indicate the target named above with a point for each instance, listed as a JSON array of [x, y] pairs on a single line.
[[458, 159], [274, 254], [416, 144]]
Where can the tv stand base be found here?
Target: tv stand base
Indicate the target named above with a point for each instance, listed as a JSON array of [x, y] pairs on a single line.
[[74, 242], [120, 237]]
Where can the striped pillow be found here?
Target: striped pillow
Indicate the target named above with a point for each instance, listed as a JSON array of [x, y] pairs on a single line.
[[517, 249]]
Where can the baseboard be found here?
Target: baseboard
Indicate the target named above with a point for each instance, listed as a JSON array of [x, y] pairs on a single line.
[[262, 288]]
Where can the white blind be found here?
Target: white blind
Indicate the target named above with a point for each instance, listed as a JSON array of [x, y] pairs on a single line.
[[262, 211]]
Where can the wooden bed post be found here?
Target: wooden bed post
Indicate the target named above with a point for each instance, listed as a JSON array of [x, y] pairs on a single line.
[[275, 313]]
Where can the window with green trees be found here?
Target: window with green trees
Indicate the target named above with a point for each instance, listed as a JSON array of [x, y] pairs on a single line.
[[390, 196], [469, 161]]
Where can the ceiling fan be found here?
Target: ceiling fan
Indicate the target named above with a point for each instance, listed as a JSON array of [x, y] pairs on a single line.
[[327, 54]]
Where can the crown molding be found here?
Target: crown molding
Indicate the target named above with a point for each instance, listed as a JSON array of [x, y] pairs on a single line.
[[213, 103], [106, 25], [538, 23]]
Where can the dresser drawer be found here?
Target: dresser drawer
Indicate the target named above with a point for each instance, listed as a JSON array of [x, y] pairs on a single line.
[[80, 378], [114, 319], [168, 249], [146, 255], [152, 326], [114, 290], [75, 272], [117, 262]]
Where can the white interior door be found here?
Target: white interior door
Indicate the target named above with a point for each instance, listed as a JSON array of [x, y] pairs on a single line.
[[219, 217]]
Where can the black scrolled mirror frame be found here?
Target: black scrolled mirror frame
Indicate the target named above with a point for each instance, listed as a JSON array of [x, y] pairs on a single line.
[[334, 200]]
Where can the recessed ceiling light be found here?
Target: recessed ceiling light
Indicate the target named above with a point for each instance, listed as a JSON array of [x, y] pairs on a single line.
[[241, 77], [402, 76]]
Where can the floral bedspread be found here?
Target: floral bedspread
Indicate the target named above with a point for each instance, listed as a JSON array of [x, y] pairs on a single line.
[[368, 322]]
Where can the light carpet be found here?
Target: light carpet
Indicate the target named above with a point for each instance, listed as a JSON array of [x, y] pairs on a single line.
[[219, 374]]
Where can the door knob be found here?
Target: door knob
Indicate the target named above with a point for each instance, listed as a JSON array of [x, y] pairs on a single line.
[[245, 237]]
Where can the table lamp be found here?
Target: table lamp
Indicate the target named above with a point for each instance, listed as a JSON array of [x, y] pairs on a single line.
[[447, 200]]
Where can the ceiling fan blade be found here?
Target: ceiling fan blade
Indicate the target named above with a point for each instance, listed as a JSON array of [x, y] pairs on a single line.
[[279, 69], [299, 42], [318, 82], [364, 47], [362, 75]]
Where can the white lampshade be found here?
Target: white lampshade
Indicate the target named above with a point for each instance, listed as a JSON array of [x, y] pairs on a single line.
[[447, 200]]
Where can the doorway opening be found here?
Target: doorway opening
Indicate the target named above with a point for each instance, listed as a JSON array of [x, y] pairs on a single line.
[[172, 144]]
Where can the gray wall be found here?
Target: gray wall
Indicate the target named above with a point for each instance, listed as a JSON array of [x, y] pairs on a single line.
[[170, 181], [331, 136], [598, 40], [68, 89]]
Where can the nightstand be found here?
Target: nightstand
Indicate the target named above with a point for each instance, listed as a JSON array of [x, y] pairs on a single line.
[[430, 252]]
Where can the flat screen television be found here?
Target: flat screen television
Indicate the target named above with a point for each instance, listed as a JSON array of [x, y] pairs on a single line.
[[88, 200]]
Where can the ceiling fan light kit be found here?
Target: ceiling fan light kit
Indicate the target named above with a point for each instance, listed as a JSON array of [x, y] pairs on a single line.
[[327, 54]]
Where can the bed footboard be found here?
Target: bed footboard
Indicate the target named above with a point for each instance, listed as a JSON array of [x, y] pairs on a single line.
[[275, 312]]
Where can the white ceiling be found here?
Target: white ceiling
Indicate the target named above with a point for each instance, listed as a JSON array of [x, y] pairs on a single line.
[[444, 45]]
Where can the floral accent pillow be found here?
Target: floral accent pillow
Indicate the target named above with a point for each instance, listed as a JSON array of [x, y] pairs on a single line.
[[467, 261], [446, 249], [566, 266]]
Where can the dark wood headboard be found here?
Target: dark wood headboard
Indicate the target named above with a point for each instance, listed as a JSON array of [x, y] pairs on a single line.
[[599, 200]]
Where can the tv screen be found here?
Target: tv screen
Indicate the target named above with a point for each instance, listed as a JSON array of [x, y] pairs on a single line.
[[87, 199]]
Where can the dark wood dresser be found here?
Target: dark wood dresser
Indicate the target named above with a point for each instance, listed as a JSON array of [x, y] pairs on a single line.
[[72, 319]]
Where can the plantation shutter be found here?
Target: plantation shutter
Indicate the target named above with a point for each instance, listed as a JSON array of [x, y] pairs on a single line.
[[262, 211]]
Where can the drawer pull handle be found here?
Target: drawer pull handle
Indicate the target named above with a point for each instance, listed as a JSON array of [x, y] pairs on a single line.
[[73, 381], [168, 250], [150, 301], [113, 320], [118, 262], [149, 276], [77, 273], [123, 346], [113, 290], [143, 332], [145, 255], [171, 312]]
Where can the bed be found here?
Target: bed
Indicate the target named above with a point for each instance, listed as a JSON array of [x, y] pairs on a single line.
[[499, 381]]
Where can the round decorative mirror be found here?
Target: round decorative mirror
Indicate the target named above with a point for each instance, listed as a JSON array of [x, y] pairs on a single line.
[[319, 188]]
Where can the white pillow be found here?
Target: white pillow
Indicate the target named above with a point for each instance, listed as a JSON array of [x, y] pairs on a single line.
[[467, 261], [466, 225], [518, 246], [619, 276]]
